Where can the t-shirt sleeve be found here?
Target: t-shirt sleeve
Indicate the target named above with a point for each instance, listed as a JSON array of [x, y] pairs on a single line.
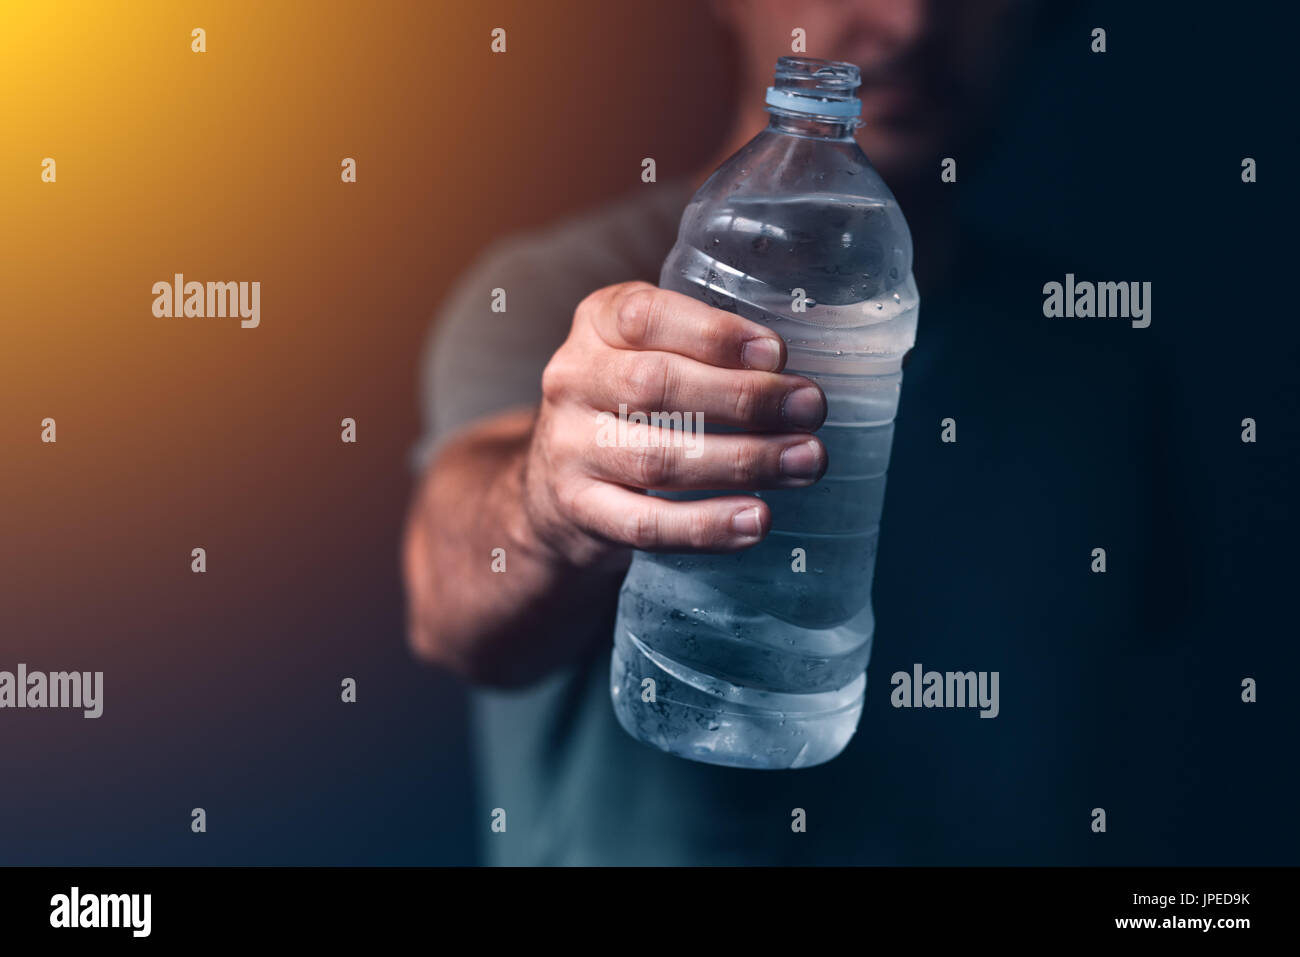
[[477, 362]]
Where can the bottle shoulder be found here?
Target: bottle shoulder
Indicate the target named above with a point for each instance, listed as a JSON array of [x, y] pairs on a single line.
[[783, 164]]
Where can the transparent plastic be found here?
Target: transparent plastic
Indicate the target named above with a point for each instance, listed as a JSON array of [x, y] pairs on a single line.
[[757, 663]]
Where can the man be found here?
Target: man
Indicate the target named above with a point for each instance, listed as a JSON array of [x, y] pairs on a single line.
[[984, 554]]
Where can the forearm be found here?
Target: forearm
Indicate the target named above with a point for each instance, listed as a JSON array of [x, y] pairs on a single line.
[[498, 618]]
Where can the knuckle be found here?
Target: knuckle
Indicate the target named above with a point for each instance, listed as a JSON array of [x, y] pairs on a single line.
[[567, 500], [647, 380], [717, 336], [559, 456], [570, 492], [555, 378], [651, 466], [641, 528], [634, 315], [745, 462], [747, 399]]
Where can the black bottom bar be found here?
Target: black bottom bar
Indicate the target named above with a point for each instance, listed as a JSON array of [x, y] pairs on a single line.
[[335, 905]]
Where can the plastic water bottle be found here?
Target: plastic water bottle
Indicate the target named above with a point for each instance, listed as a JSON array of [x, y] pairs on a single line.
[[758, 659]]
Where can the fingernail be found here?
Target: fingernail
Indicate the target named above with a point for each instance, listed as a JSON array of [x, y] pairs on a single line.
[[763, 354], [803, 408], [747, 523], [801, 461]]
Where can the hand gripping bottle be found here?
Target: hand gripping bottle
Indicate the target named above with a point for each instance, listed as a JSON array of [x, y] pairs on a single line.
[[758, 659]]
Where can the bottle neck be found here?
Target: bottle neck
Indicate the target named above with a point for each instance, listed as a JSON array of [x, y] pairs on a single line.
[[814, 98], [812, 126]]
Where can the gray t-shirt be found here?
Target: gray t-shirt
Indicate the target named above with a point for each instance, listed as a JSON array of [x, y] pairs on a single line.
[[979, 569]]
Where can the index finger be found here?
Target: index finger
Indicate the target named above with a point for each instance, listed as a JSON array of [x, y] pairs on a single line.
[[640, 316]]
